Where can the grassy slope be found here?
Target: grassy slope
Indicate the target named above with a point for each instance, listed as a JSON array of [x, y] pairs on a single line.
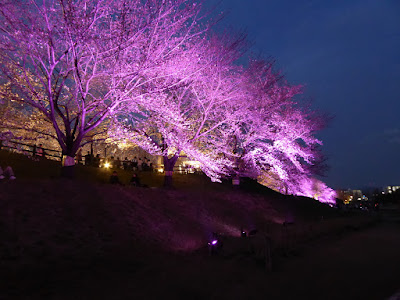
[[47, 221]]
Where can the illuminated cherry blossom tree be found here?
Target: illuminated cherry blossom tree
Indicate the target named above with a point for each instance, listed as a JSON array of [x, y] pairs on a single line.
[[275, 136], [193, 115], [234, 121], [78, 61], [153, 71]]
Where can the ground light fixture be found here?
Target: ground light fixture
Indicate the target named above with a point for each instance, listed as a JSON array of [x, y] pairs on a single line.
[[212, 246], [213, 242]]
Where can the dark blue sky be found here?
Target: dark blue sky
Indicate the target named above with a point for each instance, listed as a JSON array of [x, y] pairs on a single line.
[[347, 55]]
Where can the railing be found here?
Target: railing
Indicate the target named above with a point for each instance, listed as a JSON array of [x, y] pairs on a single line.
[[28, 149], [128, 166]]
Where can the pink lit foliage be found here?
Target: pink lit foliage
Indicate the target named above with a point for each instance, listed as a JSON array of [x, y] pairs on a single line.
[[76, 62], [313, 188], [275, 135], [232, 120], [194, 115]]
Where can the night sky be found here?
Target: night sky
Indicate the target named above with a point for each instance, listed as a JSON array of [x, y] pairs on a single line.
[[347, 55]]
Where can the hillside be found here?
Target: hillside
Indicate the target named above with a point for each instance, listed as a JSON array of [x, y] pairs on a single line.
[[48, 223]]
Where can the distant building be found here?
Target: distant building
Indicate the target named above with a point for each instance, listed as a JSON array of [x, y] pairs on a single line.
[[391, 189], [351, 195]]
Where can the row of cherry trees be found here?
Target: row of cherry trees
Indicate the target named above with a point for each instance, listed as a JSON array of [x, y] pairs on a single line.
[[158, 75], [78, 61]]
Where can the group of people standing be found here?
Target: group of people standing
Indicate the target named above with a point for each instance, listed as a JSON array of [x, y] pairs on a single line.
[[90, 160], [137, 164]]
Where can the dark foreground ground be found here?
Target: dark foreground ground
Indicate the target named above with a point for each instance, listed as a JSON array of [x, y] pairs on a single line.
[[362, 264], [86, 239]]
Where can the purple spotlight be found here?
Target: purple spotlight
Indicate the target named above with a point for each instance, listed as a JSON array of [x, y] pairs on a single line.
[[213, 242]]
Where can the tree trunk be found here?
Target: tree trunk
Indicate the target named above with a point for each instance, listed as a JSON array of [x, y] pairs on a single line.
[[169, 164], [68, 167], [68, 160]]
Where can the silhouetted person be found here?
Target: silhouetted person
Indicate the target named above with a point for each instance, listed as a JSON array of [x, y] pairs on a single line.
[[125, 164], [114, 179], [236, 182], [40, 151], [145, 166], [88, 159], [135, 181], [96, 161], [79, 156], [8, 172], [134, 164], [117, 163], [140, 164]]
